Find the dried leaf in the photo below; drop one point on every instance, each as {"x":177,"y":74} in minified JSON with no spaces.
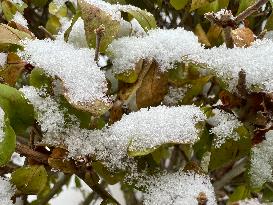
{"x":243,"y":37}
{"x":153,"y":88}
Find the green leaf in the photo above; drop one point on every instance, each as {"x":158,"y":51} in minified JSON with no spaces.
{"x":39,"y":79}
{"x":179,"y":4}
{"x":30,"y":179}
{"x":109,"y":177}
{"x":7,"y":146}
{"x":8,"y":9}
{"x":244,"y":4}
{"x":161,"y":153}
{"x":231,"y":150}
{"x":269,"y":23}
{"x":94,"y":17}
{"x":203,"y":144}
{"x":53,"y":24}
{"x":144,"y":18}
{"x":18,"y":110}
{"x":108,"y":202}
{"x":240,"y":193}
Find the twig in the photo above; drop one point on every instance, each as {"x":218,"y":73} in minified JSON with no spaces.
{"x":234,"y":172}
{"x":48,"y":34}
{"x":27,"y":152}
{"x":227,"y":32}
{"x":56,"y":188}
{"x":250,"y":10}
{"x":241,"y":85}
{"x":84,"y":174}
{"x":99,"y":34}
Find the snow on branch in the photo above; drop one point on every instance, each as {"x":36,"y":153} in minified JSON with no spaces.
{"x":255,"y":60}
{"x":262,"y":161}
{"x":149,"y":128}
{"x":184,"y":188}
{"x":165,"y":46}
{"x":6,"y":191}
{"x":84,"y":82}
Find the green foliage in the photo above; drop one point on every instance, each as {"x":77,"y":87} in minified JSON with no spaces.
{"x":17,"y":109}
{"x":30,"y":179}
{"x":7,"y":146}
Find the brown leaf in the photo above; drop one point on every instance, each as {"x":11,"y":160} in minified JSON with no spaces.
{"x":12,"y":70}
{"x":243,"y":37}
{"x":116,"y":112}
{"x":153,"y":88}
{"x":58,"y":160}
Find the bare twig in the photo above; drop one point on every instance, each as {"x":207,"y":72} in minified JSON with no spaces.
{"x":99,"y":34}
{"x":241,"y":85}
{"x":27,"y":152}
{"x":56,"y":188}
{"x":47,"y":33}
{"x":227,"y":32}
{"x":250,"y":10}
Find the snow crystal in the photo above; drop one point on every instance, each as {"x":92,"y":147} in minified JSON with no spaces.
{"x":255,"y":60}
{"x":82,"y":78}
{"x":3,"y":59}
{"x":151,"y":127}
{"x":165,"y":46}
{"x":262,"y":161}
{"x":49,"y":116}
{"x":224,"y":125}
{"x":180,"y":188}
{"x":2,"y":124}
{"x":250,"y":202}
{"x":20,"y":19}
{"x":6,"y":192}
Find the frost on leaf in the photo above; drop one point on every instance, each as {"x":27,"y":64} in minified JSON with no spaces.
{"x":255,"y":60}
{"x":20,"y":19}
{"x":165,"y":46}
{"x":84,"y":83}
{"x":49,"y":116}
{"x":262,"y":161}
{"x":3,"y":59}
{"x":224,"y":127}
{"x":148,"y":128}
{"x":6,"y":192}
{"x":179,"y":188}
{"x":2,"y":124}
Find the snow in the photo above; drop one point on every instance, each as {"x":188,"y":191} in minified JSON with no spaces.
{"x":20,"y":19}
{"x":2,"y":124}
{"x":253,"y":201}
{"x":255,"y":60}
{"x":77,"y":35}
{"x":6,"y":191}
{"x":84,"y":82}
{"x":262,"y":161}
{"x":224,"y":127}
{"x":151,"y":127}
{"x":179,"y":188}
{"x":3,"y":59}
{"x":49,"y":116}
{"x":165,"y":46}
{"x":20,"y":2}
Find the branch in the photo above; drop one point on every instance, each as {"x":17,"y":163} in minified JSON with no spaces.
{"x":250,"y":10}
{"x":27,"y":152}
{"x":99,"y":34}
{"x":86,"y":176}
{"x":56,"y":188}
{"x":234,"y":172}
{"x":47,"y":33}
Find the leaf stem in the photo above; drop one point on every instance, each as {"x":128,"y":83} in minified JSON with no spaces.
{"x":99,"y":34}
